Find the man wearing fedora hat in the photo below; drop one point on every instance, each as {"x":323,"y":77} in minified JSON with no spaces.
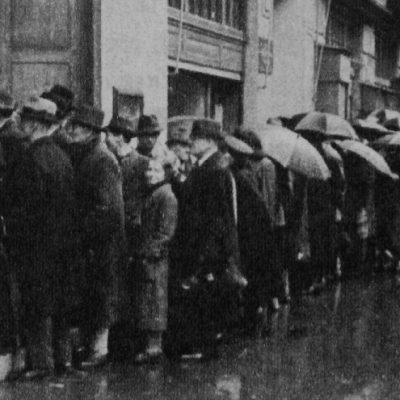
{"x":120,"y":132}
{"x":148,"y":131}
{"x":206,"y":242}
{"x":273,"y":183}
{"x":255,"y":236}
{"x":101,"y":217}
{"x":43,"y":196}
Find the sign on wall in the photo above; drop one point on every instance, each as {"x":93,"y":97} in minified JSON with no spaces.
{"x":265,"y":56}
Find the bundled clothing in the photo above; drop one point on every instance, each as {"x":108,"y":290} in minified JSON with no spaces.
{"x":159,"y":218}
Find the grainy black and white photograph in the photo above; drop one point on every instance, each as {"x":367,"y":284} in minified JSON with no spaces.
{"x":199,"y":199}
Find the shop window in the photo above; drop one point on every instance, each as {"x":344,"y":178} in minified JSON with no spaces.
{"x":386,"y":55}
{"x":225,"y":12}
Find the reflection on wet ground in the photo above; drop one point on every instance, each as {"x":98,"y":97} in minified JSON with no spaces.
{"x":343,"y":344}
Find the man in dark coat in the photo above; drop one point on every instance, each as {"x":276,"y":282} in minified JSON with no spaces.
{"x":206,"y":242}
{"x":44,"y":197}
{"x":120,"y":132}
{"x":11,"y":150}
{"x":254,"y":233}
{"x":324,"y":199}
{"x":101,"y":217}
{"x":272,"y":183}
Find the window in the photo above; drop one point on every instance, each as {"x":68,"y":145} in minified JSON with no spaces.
{"x":225,"y":12}
{"x":386,"y":55}
{"x":339,"y":31}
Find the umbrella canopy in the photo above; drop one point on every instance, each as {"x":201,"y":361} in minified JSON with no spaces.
{"x":370,"y":129}
{"x":293,"y":152}
{"x":326,"y":125}
{"x":331,"y":154}
{"x":392,"y":124}
{"x":369,"y":155}
{"x":392,"y":140}
{"x":382,"y":115}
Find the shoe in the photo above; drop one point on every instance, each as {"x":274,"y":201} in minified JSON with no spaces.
{"x":148,"y":356}
{"x":36,"y":374}
{"x":95,"y":362}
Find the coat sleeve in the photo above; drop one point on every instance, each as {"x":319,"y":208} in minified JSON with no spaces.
{"x":107,"y":215}
{"x":167,"y":215}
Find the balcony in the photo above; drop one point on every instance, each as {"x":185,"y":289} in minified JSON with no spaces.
{"x":211,"y":41}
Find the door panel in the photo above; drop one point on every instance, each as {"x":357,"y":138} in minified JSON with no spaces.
{"x":42,"y":44}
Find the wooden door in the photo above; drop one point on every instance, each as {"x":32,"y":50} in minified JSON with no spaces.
{"x":43,"y":42}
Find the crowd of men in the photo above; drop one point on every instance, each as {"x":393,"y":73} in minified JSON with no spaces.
{"x":184,"y":242}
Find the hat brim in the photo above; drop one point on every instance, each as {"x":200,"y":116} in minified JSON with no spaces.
{"x":95,"y":128}
{"x":120,"y":131}
{"x":259,"y":154}
{"x":40,"y":116}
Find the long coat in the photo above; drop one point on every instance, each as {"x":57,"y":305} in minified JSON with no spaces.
{"x":101,"y":217}
{"x":159,"y":218}
{"x":206,"y":238}
{"x":255,"y":238}
{"x":44,"y":194}
{"x":13,"y":146}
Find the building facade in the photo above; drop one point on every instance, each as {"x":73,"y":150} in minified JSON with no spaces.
{"x":240,"y":62}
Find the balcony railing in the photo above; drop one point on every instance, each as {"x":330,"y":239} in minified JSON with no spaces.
{"x":225,"y":12}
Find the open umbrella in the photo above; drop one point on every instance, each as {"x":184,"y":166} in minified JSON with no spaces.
{"x":393,"y":124}
{"x":369,"y":155}
{"x":293,"y":152}
{"x":326,"y":125}
{"x":382,"y":115}
{"x":392,"y":140}
{"x":369,"y":129}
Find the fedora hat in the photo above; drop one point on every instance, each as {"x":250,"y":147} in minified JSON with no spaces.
{"x":63,"y":97}
{"x":7,"y":104}
{"x":237,"y":146}
{"x":89,"y":117}
{"x":249,"y":137}
{"x":148,"y":126}
{"x":122,"y":126}
{"x":39,"y":109}
{"x":207,"y":129}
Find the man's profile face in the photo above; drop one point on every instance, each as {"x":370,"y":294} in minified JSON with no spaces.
{"x":200,"y":146}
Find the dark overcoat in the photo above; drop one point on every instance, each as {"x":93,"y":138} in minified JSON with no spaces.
{"x":255,"y":238}
{"x":101,"y":218}
{"x":324,"y":198}
{"x":13,"y":146}
{"x":45,"y":203}
{"x":206,"y":238}
{"x":159,"y":218}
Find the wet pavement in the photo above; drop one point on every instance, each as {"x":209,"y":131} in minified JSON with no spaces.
{"x":343,"y":344}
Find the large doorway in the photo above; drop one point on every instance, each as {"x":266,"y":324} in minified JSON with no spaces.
{"x":43,"y":42}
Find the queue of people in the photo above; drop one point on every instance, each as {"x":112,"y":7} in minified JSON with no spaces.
{"x":186,"y":243}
